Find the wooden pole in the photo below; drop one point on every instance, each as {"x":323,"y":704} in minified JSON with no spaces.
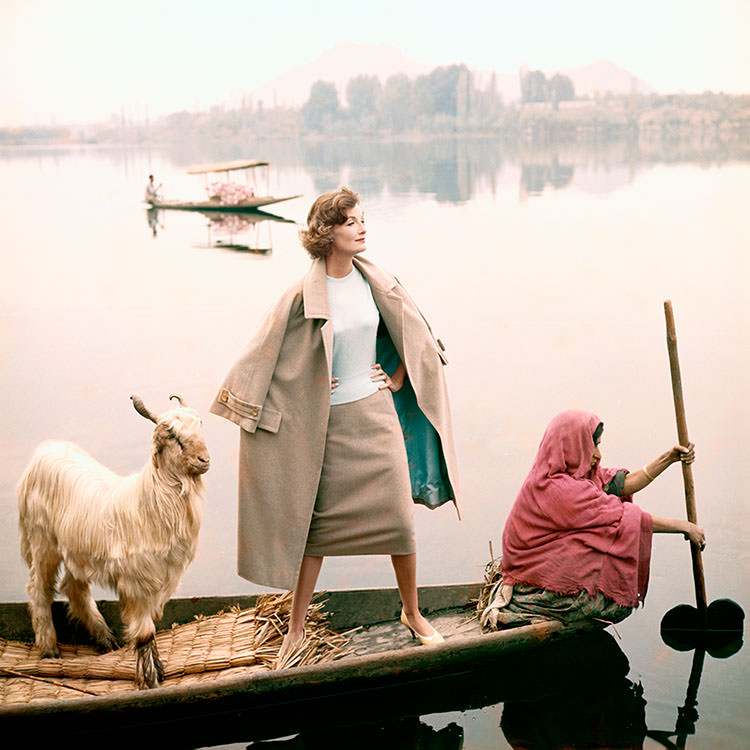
{"x":687,"y":469}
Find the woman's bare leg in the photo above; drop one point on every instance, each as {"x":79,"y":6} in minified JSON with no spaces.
{"x":405,"y":567}
{"x":306,"y":580}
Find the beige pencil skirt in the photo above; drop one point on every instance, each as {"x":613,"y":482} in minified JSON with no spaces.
{"x":364,"y":504}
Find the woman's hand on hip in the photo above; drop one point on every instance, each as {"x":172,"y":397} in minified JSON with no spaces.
{"x":334,"y":384}
{"x":384,"y":380}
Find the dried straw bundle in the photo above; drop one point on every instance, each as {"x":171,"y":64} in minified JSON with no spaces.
{"x":319,"y":645}
{"x":492,"y":574}
{"x":237,"y":642}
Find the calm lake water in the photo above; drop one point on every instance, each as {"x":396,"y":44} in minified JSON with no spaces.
{"x":544,"y":272}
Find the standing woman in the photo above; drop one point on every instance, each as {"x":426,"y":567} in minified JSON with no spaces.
{"x":345,"y":422}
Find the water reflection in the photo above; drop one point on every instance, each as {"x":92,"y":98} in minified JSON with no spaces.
{"x":717,"y":642}
{"x":247,"y":232}
{"x":404,"y":734}
{"x":594,"y":705}
{"x":152,"y":218}
{"x":456,"y":170}
{"x":687,"y":714}
{"x":570,"y":694}
{"x":448,"y":169}
{"x":536,"y":177}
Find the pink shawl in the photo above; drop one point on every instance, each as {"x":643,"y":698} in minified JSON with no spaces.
{"x":564,"y":533}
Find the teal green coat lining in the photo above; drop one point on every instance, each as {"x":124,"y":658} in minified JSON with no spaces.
{"x":430,"y":484}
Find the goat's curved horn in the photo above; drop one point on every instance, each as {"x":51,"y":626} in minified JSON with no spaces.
{"x":174,"y":395}
{"x":140,"y":407}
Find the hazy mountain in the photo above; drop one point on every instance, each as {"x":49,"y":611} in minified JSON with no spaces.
{"x":345,"y":61}
{"x":605,"y":77}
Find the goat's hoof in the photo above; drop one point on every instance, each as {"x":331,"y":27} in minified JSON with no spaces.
{"x":148,"y":667}
{"x":146,"y":682}
{"x":49,"y":652}
{"x":107,"y":644}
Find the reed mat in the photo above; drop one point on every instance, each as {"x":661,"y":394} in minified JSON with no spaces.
{"x":232,"y":643}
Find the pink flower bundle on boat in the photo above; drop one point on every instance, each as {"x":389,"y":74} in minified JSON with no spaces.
{"x":230,"y":193}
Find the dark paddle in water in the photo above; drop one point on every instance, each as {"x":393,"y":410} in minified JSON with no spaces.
{"x":717,"y":627}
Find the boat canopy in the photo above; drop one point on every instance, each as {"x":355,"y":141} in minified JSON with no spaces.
{"x":227,"y":166}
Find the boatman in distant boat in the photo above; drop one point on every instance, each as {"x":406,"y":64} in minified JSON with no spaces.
{"x":152,"y":190}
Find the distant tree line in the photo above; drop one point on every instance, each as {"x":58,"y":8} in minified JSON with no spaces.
{"x":449,"y":99}
{"x":536,"y":87}
{"x":445,"y":99}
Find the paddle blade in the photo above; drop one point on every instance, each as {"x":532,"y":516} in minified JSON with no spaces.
{"x":680,"y":627}
{"x":720,"y":633}
{"x":725,"y":622}
{"x":726,"y":616}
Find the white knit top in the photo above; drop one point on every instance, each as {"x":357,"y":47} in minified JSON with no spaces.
{"x":355,"y":318}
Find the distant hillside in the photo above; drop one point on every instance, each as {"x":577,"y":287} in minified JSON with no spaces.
{"x":605,"y":77}
{"x":345,"y":61}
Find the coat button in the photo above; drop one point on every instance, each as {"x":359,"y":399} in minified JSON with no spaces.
{"x":253,"y":412}
{"x":224,"y":397}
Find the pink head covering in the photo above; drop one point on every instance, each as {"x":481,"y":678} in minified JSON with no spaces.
{"x":565,"y":533}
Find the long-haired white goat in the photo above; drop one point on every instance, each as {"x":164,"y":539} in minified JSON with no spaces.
{"x":134,"y":534}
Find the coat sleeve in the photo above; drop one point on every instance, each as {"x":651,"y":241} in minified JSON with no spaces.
{"x":439,"y":347}
{"x":241,"y":396}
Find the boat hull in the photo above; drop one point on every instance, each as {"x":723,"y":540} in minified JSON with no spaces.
{"x":252,"y":204}
{"x":386,"y":684}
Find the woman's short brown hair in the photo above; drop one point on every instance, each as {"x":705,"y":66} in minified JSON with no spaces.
{"x":327,"y":211}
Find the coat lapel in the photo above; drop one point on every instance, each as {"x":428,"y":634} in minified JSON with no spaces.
{"x":315,"y":301}
{"x":390,"y":304}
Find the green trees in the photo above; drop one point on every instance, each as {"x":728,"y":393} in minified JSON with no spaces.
{"x":362,"y":96}
{"x":536,"y":87}
{"x":437,"y":93}
{"x":443,"y":100}
{"x":561,"y":88}
{"x":322,"y":108}
{"x":395,"y":104}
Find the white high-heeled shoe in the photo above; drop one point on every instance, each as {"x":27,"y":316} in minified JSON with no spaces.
{"x":425,"y":640}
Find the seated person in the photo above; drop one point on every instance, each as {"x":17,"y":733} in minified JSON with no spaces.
{"x":575,"y":546}
{"x":152,"y":189}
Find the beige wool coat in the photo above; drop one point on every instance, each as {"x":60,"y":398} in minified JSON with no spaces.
{"x":278,"y":392}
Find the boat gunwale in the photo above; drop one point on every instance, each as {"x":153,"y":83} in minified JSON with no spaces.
{"x":252,"y":204}
{"x":368,"y":668}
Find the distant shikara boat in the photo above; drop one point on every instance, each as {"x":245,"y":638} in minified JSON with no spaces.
{"x":250,"y":203}
{"x":384,"y":674}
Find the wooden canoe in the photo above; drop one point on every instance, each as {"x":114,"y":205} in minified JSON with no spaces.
{"x":251,"y":204}
{"x":385,"y":676}
{"x":225,"y":167}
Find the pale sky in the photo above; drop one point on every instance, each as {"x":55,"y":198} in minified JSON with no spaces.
{"x":68,"y":61}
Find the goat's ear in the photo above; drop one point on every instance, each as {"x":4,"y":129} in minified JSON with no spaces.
{"x":160,"y":439}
